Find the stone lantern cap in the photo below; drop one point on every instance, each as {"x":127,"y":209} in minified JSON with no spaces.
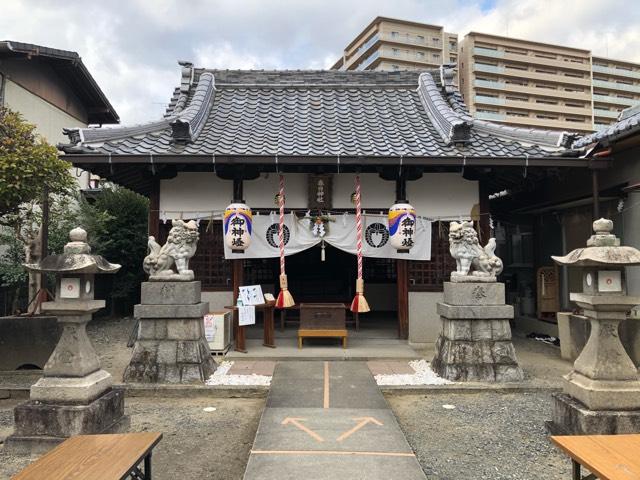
{"x":76,"y":258}
{"x":603,"y":249}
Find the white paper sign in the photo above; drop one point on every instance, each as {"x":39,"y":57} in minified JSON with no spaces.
{"x":246,"y":315}
{"x":209,"y":328}
{"x":609,"y":281}
{"x":251,"y":295}
{"x":69,"y":288}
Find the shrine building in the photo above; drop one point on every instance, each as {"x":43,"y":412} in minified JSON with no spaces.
{"x":228,"y":136}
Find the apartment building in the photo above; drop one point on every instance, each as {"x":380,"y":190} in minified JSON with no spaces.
{"x":525,"y":83}
{"x":391,"y":44}
{"x":507,"y":80}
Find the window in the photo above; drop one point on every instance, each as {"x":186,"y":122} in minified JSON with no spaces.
{"x":452,"y":59}
{"x":420,"y":55}
{"x":486,"y":110}
{"x":545,"y":55}
{"x":512,"y":113}
{"x":516,"y":98}
{"x":542,"y":70}
{"x":574,"y":119}
{"x":395,"y":52}
{"x":435,"y":40}
{"x":420,"y":38}
{"x":515,"y":67}
{"x":574,"y":105}
{"x":436,"y":56}
{"x":548,"y":87}
{"x":573,"y":89}
{"x":511,"y":81}
{"x":574,"y":75}
{"x":625,"y":82}
{"x":626,"y":69}
{"x":395,"y":67}
{"x":547,"y":117}
{"x":515,"y":51}
{"x":395,"y":34}
{"x":546,"y":101}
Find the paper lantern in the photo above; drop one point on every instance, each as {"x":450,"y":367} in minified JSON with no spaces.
{"x":402,"y":226}
{"x":237,"y":227}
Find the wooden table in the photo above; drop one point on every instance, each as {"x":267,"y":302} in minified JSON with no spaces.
{"x":96,"y":457}
{"x":268,"y":338}
{"x":354,"y":315}
{"x":608,"y":457}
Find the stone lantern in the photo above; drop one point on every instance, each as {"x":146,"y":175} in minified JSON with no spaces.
{"x":602,"y":392}
{"x":74,"y":395}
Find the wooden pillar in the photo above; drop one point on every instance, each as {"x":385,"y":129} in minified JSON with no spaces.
{"x":154,"y":208}
{"x":237,"y":274}
{"x":596,"y":194}
{"x":483,"y":202}
{"x":44,"y":235}
{"x":402,"y":273}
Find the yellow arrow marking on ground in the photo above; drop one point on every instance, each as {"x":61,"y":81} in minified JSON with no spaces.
{"x":296,"y":422}
{"x":362,"y":421}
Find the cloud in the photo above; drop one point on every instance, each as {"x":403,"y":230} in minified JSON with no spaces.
{"x":132,"y":46}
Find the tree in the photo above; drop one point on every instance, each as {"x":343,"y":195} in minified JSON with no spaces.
{"x":28,"y":165}
{"x":116,"y":224}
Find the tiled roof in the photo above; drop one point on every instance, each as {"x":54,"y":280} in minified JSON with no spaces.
{"x":317,"y":113}
{"x":628,"y":124}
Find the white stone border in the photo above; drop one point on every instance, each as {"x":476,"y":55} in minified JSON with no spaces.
{"x":423,"y":376}
{"x":221,"y":377}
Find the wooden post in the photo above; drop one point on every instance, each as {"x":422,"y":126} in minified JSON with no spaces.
{"x":154,"y":209}
{"x":483,"y":202}
{"x":237,"y":270}
{"x":596,"y":194}
{"x":402,"y":273}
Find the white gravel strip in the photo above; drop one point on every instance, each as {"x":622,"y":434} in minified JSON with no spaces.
{"x":221,"y":377}
{"x":423,"y":376}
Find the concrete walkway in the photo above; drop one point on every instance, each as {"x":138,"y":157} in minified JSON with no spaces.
{"x":328,"y":420}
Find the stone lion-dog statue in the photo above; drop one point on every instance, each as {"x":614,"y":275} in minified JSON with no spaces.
{"x":170,"y":262}
{"x":471,"y":259}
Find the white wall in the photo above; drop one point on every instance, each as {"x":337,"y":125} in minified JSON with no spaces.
{"x":435,"y":194}
{"x":49,"y":119}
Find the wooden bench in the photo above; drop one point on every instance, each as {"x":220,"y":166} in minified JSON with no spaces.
{"x":322,"y":320}
{"x":608,"y":457}
{"x":96,"y":457}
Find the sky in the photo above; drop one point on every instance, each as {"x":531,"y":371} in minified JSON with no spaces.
{"x":131,"y":47}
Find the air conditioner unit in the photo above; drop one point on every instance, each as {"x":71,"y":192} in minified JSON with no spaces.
{"x":217,"y":330}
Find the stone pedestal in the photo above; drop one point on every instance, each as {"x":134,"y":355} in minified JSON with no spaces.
{"x":74,"y":396}
{"x":475,"y":341}
{"x":171,"y":346}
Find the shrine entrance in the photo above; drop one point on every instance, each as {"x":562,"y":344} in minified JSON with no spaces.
{"x":332,"y":280}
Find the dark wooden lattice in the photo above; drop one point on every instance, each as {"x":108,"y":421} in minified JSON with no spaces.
{"x":208,"y":264}
{"x":427,"y":276}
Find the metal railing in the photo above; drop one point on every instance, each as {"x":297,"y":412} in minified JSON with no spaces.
{"x":616,"y":71}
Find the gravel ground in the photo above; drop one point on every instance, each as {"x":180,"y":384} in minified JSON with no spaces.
{"x":486,"y":436}
{"x":196,"y":444}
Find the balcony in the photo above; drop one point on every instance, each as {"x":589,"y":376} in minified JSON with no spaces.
{"x":616,"y":86}
{"x":616,"y":71}
{"x":627,"y":102}
{"x":487,"y":68}
{"x":605,"y":113}
{"x":487,"y":52}
{"x":490,"y":116}
{"x":410,"y":40}
{"x":489,"y":100}
{"x":489,"y":84}
{"x":368,"y":61}
{"x":530,"y":75}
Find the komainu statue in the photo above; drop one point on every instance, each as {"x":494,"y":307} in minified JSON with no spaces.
{"x":472,"y":261}
{"x":170,"y":262}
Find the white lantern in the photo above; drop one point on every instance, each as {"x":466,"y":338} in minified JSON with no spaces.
{"x":402,"y":227}
{"x":237,"y":226}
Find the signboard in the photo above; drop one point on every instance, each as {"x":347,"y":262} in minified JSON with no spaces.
{"x":251,"y":295}
{"x":70,"y":288}
{"x":609,"y":281}
{"x":210,"y":327}
{"x":246,"y":315}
